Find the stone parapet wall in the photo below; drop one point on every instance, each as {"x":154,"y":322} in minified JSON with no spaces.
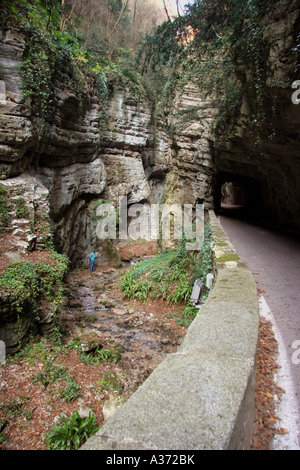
{"x":202,"y":396}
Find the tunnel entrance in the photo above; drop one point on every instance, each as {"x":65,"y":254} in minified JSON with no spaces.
{"x":233,"y":195}
{"x":238,"y":196}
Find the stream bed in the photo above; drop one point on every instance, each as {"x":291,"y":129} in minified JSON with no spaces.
{"x":141,"y":333}
{"x":110,"y":347}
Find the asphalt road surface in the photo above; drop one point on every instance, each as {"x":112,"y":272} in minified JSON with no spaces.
{"x":274,"y":260}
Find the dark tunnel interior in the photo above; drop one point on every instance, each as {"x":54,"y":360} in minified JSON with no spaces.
{"x":239,"y":196}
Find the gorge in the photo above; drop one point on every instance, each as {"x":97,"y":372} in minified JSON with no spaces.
{"x":73,"y":136}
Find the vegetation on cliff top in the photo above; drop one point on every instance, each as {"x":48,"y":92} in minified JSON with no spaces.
{"x":222,"y":46}
{"x":105,"y":43}
{"x":92,"y":41}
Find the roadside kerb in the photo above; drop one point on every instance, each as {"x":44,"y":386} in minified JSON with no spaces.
{"x":202,"y":396}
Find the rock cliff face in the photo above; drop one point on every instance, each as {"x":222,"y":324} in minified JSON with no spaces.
{"x":144,"y":160}
{"x":267,"y":162}
{"x":77,"y":170}
{"x":60,"y":169}
{"x":190,"y":122}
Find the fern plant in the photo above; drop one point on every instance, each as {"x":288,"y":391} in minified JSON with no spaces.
{"x":71,"y":392}
{"x":182,"y":294}
{"x":107,"y":355}
{"x":71,"y":435}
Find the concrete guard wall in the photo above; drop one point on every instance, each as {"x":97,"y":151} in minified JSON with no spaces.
{"x":202,"y":396}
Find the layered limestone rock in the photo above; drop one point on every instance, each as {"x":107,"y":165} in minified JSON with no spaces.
{"x":137,"y":158}
{"x":127,"y":136}
{"x":61,"y":152}
{"x":190,"y":179}
{"x":27,"y":230}
{"x":29,"y":225}
{"x":267,"y":160}
{"x":16,"y":131}
{"x":190,"y":123}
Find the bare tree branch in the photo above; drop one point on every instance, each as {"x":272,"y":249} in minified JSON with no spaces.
{"x":134,"y":11}
{"x":64,"y":19}
{"x":49,"y":17}
{"x":124,"y":6}
{"x":216,"y":32}
{"x":166,"y":10}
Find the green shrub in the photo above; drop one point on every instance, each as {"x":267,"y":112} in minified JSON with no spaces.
{"x":186,"y":315}
{"x":170,"y":275}
{"x":21,"y":209}
{"x":25,"y":283}
{"x":20,"y":283}
{"x":4,"y":206}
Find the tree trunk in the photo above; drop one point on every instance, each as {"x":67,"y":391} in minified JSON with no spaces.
{"x":65,"y":18}
{"x":120,"y":16}
{"x":166,"y":10}
{"x":134,"y":11}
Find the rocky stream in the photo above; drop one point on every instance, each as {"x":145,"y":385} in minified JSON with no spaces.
{"x":143,"y":333}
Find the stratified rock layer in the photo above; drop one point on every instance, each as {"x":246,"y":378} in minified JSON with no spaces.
{"x":79,"y":170}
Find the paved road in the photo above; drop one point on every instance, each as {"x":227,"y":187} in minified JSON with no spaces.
{"x":274,"y":260}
